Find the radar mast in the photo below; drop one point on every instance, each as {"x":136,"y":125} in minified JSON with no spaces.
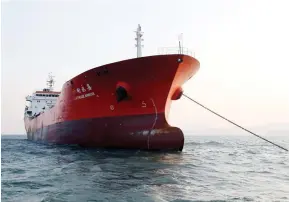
{"x":138,"y":39}
{"x":50,"y":81}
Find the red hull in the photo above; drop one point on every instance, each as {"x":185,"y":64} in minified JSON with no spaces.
{"x":96,"y":118}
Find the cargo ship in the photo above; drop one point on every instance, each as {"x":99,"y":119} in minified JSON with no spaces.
{"x":121,"y":105}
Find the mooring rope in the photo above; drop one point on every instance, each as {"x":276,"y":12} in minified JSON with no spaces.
{"x":234,"y":123}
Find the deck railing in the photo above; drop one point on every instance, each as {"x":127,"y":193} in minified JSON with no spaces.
{"x":175,"y":50}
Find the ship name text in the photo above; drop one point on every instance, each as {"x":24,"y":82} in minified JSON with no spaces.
{"x":84,"y":96}
{"x":84,"y":89}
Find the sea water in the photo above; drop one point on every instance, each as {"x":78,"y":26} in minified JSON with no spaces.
{"x":210,"y":168}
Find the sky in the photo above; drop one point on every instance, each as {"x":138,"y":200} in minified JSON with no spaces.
{"x":242,"y":47}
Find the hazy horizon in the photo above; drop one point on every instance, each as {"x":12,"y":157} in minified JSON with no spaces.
{"x":241,"y":45}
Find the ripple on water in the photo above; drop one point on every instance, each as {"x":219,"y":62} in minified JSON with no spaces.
{"x":209,"y":169}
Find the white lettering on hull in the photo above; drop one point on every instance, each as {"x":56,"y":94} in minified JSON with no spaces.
{"x":84,"y":96}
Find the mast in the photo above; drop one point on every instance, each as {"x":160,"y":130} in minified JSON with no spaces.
{"x":181,"y":43}
{"x":138,"y":39}
{"x":50,"y":82}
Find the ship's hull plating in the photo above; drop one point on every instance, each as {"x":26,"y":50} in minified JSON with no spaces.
{"x":89,"y":112}
{"x":113,"y":132}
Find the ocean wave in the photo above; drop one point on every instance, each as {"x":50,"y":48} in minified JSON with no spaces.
{"x":209,"y":143}
{"x":207,"y":170}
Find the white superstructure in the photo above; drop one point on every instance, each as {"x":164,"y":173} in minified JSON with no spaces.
{"x":40,"y":101}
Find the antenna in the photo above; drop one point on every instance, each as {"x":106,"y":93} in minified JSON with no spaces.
{"x":181,"y":43}
{"x":50,"y":81}
{"x":138,"y":39}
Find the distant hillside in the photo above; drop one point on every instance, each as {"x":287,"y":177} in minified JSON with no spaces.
{"x":273,"y":129}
